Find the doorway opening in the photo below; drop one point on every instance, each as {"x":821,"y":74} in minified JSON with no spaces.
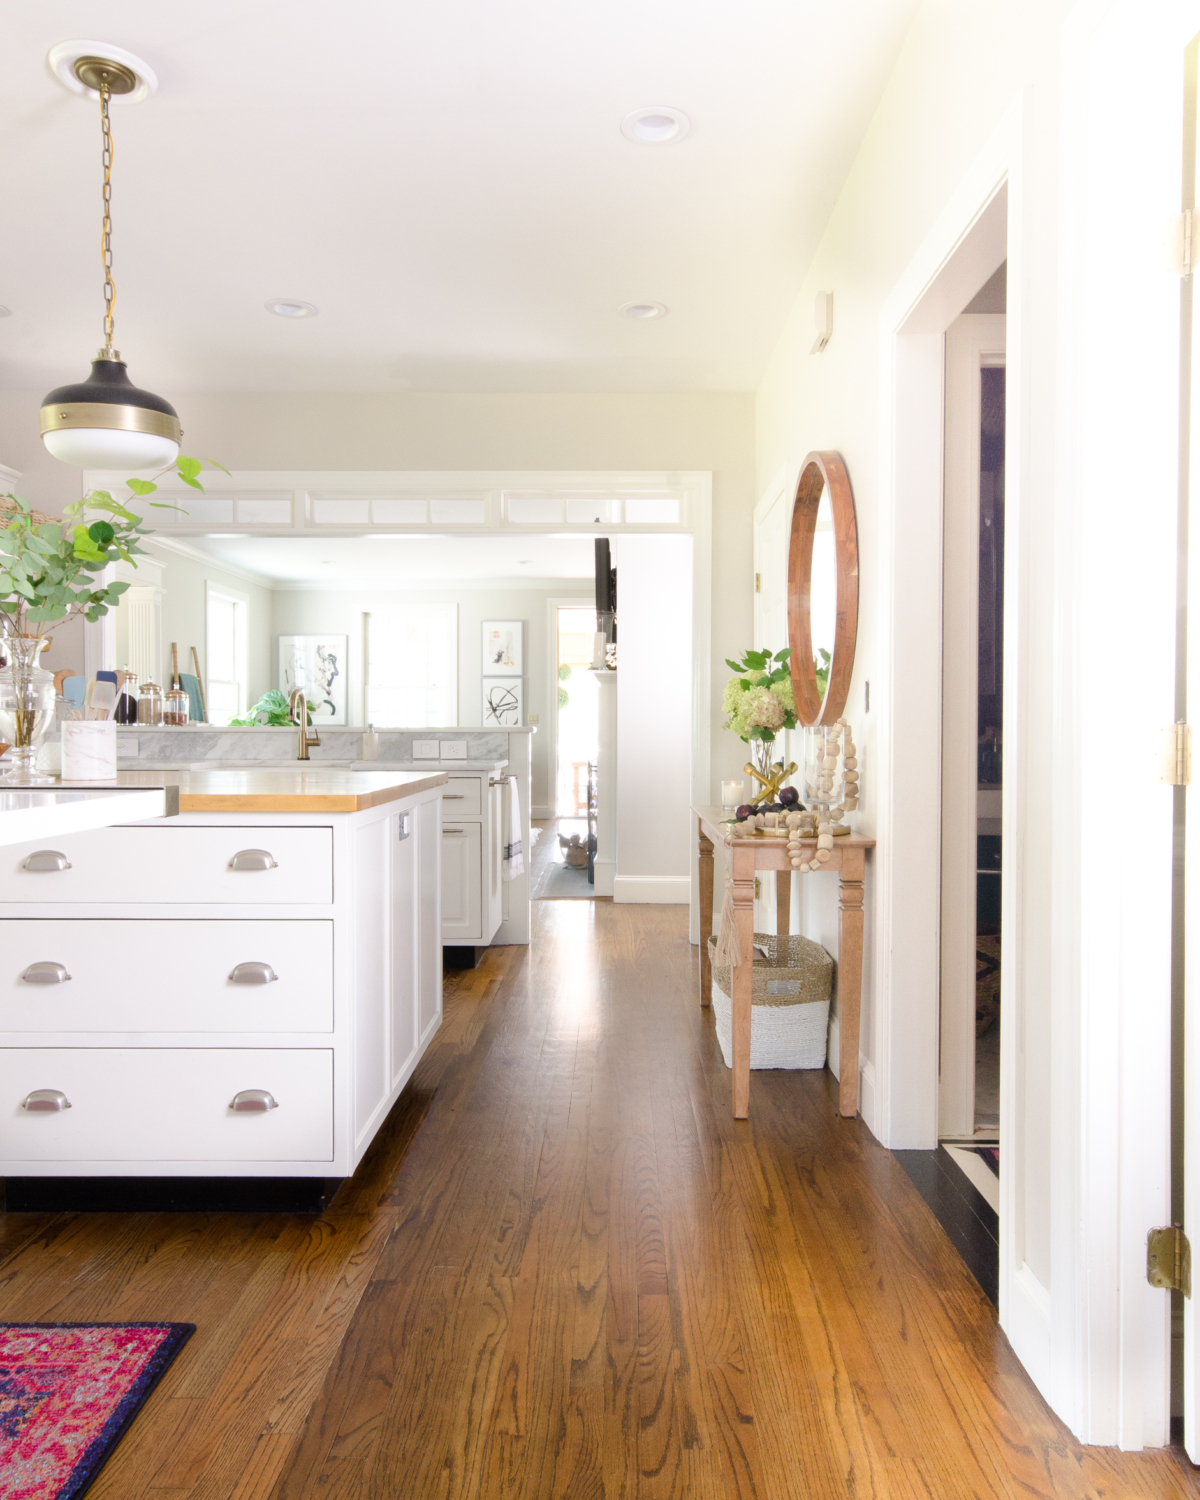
{"x":566,"y":849}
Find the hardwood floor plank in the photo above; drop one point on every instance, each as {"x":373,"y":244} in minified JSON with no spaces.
{"x":564,"y":1270}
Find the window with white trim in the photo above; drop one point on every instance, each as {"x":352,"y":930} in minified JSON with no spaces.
{"x":226,"y":631}
{"x":412,"y":667}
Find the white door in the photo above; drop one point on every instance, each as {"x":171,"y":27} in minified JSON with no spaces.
{"x":973,"y":341}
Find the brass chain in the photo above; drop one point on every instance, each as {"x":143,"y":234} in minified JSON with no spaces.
{"x":110,"y":290}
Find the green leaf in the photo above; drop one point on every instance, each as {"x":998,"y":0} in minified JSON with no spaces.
{"x":213,"y":464}
{"x":101,"y":533}
{"x":141,"y":486}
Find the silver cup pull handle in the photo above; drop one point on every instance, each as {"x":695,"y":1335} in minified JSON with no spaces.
{"x":253,"y":1102}
{"x":45,"y":1101}
{"x":46,"y":859}
{"x":253,"y":973}
{"x":253,"y":859}
{"x":45,"y":973}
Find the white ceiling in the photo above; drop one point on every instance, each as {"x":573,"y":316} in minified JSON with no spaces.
{"x":402,"y":561}
{"x":447,"y":182}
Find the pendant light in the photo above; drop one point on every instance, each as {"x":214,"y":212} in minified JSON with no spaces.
{"x":105,"y":421}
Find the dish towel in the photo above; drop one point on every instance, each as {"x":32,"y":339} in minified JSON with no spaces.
{"x":514,"y":858}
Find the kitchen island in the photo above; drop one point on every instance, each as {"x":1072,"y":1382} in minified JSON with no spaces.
{"x":218,"y":1009}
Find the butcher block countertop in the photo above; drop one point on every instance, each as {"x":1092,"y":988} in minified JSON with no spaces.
{"x":306,"y":789}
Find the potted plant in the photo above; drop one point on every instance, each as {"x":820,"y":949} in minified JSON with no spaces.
{"x":50,"y":572}
{"x":758,"y":703}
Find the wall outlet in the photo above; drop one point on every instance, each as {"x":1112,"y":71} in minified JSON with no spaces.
{"x":532,"y":719}
{"x":454,"y":749}
{"x":127,"y":749}
{"x":425,"y":750}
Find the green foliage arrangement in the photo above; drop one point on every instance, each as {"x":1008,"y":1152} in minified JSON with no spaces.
{"x":50,"y":570}
{"x":758,"y":702}
{"x":271,"y":709}
{"x":821,"y":668}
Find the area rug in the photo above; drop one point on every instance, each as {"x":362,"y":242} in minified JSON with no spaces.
{"x":67,"y":1393}
{"x":989,"y":1155}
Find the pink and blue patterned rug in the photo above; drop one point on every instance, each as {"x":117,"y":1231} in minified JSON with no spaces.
{"x":67,"y":1393}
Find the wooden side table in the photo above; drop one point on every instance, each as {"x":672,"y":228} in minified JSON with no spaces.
{"x":746,"y":856}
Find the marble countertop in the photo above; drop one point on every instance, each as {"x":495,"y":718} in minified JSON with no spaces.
{"x":48,"y":811}
{"x":306,"y":788}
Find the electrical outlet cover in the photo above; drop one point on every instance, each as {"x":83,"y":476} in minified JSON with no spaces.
{"x":454,"y":749}
{"x":425,"y":750}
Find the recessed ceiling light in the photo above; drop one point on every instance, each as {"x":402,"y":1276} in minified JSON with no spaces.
{"x":656,"y":125}
{"x":524,"y":562}
{"x":642,"y":311}
{"x":289,"y":307}
{"x":5,"y":312}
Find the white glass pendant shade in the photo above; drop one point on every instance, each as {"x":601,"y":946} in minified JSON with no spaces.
{"x":104,"y":448}
{"x":106,"y":422}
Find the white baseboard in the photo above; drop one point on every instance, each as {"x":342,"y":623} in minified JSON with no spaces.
{"x":540,"y":814}
{"x":655,"y":890}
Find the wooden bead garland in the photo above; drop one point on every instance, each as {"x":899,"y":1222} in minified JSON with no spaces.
{"x":824,"y":822}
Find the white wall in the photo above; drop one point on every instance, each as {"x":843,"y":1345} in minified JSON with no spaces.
{"x":300,"y":611}
{"x":654,"y":653}
{"x":426,"y":430}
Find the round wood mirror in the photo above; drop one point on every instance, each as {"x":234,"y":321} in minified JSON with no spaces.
{"x":822,"y":589}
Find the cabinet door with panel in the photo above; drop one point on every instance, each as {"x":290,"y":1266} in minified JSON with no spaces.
{"x":462,"y":882}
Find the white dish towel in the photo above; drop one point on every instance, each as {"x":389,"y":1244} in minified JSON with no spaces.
{"x":514,"y":857}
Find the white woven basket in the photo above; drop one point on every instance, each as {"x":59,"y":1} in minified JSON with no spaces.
{"x":792,"y":1031}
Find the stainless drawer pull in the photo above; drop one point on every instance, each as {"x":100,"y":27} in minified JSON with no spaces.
{"x":454,"y":796}
{"x":459,"y":831}
{"x":253,"y":859}
{"x":253,"y":1102}
{"x":253,"y":973}
{"x":45,"y":1101}
{"x":45,"y":973}
{"x":46,"y":859}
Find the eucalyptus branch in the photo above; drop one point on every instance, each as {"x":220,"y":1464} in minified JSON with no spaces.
{"x":51,"y":572}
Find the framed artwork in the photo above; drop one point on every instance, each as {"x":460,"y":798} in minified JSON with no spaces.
{"x":503,"y":702}
{"x":317,"y":663}
{"x":503,"y":648}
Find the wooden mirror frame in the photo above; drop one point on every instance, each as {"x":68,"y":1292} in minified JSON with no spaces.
{"x":821,"y":469}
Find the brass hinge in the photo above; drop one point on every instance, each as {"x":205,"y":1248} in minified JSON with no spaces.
{"x":758,"y":583}
{"x":1183,"y":242}
{"x":1169,"y":1259}
{"x":1177,"y":760}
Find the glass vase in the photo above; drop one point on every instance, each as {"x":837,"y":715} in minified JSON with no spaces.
{"x":824,"y":771}
{"x":26,"y":707}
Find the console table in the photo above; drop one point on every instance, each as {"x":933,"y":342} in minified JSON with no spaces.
{"x":746,"y":857}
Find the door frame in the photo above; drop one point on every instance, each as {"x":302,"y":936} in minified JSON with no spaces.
{"x":973,"y":343}
{"x":552,"y":607}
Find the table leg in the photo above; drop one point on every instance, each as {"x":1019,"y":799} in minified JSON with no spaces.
{"x":742,"y":859}
{"x":849,"y":977}
{"x":783,"y":902}
{"x":706,"y":914}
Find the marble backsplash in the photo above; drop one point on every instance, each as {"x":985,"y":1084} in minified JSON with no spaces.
{"x":207,"y":742}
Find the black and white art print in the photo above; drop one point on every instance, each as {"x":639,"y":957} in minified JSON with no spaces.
{"x":317,"y":663}
{"x":503,"y":702}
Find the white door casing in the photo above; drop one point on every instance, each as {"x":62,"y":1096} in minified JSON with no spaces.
{"x":972,"y":341}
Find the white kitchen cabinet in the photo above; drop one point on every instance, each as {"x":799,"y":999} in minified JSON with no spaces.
{"x":462,"y":882}
{"x":472,"y":858}
{"x":157,"y":1029}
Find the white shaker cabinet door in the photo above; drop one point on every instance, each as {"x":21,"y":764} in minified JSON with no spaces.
{"x":462,"y":882}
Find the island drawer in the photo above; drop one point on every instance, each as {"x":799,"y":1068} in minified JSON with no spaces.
{"x":166,"y":1105}
{"x":462,"y":797}
{"x":85,"y":974}
{"x":236,"y":866}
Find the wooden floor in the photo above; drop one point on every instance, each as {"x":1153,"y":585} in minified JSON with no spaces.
{"x":566,"y":1271}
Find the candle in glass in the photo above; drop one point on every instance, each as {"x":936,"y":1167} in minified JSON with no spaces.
{"x":733,"y":793}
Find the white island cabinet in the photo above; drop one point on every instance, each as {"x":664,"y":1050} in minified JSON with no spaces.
{"x":239,"y":991}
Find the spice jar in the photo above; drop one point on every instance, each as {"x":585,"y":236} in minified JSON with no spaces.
{"x":175,"y":706}
{"x":150,"y":704}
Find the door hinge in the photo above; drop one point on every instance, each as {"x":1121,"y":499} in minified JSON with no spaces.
{"x":1183,"y":242}
{"x":1177,"y":761}
{"x":1169,"y":1259}
{"x":758,"y":583}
